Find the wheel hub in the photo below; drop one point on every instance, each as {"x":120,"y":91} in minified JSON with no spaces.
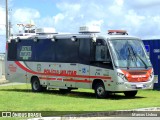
{"x":35,"y":85}
{"x":100,"y":90}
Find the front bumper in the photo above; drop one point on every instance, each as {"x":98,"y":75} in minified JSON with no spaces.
{"x":131,"y":86}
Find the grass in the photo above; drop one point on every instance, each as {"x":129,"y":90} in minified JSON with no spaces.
{"x":20,"y":98}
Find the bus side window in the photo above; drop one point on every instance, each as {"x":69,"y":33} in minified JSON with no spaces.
{"x":45,"y":50}
{"x":12,"y":50}
{"x":85,"y":50}
{"x":67,"y":50}
{"x":102,"y":52}
{"x":100,"y":42}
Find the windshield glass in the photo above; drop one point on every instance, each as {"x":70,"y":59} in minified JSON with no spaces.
{"x":129,"y":53}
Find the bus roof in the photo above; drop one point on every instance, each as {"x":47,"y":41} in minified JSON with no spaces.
{"x":80,"y":35}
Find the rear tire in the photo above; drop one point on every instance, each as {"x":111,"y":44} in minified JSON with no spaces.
{"x":130,"y":93}
{"x":100,"y":90}
{"x":36,"y":86}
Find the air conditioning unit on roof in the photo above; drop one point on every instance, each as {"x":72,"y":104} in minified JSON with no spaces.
{"x":89,"y":29}
{"x":45,"y":30}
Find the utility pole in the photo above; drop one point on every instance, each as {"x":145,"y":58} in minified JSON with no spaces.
{"x":6,"y":20}
{"x":9,"y":22}
{"x":9,"y":31}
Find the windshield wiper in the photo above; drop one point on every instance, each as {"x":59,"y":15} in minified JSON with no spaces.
{"x":136,"y":55}
{"x":142,"y":60}
{"x":131,"y":55}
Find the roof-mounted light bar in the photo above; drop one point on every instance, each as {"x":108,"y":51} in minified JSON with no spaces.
{"x":89,"y":29}
{"x":117,"y":32}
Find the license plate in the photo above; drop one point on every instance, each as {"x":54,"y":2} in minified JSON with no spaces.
{"x":139,"y":85}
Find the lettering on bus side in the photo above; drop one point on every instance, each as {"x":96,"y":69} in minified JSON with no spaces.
{"x":12,"y":68}
{"x":156,"y":50}
{"x":119,"y":83}
{"x":60,"y":72}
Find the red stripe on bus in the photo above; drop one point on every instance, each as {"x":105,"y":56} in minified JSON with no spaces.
{"x":102,"y":77}
{"x":79,"y":76}
{"x":24,"y":68}
{"x":50,"y":74}
{"x":66,"y":80}
{"x":44,"y":78}
{"x":74,"y":80}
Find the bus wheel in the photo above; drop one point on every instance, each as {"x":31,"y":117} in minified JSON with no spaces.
{"x":130,"y":93}
{"x":100,"y":91}
{"x":35,"y":84}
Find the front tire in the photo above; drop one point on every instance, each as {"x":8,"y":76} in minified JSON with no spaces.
{"x":100,"y":91}
{"x":130,"y":93}
{"x":36,"y":86}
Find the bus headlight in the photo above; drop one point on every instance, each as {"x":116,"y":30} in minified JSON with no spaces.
{"x":122,"y":76}
{"x":151,"y":76}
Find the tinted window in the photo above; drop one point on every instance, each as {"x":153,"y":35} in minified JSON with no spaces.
{"x":85,"y":50}
{"x":67,"y":50}
{"x":45,"y":50}
{"x":12,"y":50}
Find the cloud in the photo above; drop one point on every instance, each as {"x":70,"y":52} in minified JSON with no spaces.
{"x":96,"y":23}
{"x":69,"y":7}
{"x":117,"y":7}
{"x":132,"y":19}
{"x":144,"y":3}
{"x":59,"y":17}
{"x":138,"y":17}
{"x":74,"y":15}
{"x":2,"y":21}
{"x":24,"y":15}
{"x":2,"y":28}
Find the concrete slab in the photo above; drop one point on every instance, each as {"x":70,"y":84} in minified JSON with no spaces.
{"x":3,"y":80}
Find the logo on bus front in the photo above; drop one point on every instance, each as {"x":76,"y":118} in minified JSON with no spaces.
{"x":26,"y":52}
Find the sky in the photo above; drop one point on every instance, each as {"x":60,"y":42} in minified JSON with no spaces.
{"x":140,"y":18}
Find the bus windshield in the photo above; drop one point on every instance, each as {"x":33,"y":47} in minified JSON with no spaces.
{"x":129,"y":53}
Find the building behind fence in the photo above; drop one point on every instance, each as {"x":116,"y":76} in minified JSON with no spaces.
{"x":2,"y":64}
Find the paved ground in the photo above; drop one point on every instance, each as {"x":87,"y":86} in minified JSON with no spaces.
{"x":3,"y":80}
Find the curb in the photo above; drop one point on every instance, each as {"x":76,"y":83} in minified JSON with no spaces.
{"x":3,"y":82}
